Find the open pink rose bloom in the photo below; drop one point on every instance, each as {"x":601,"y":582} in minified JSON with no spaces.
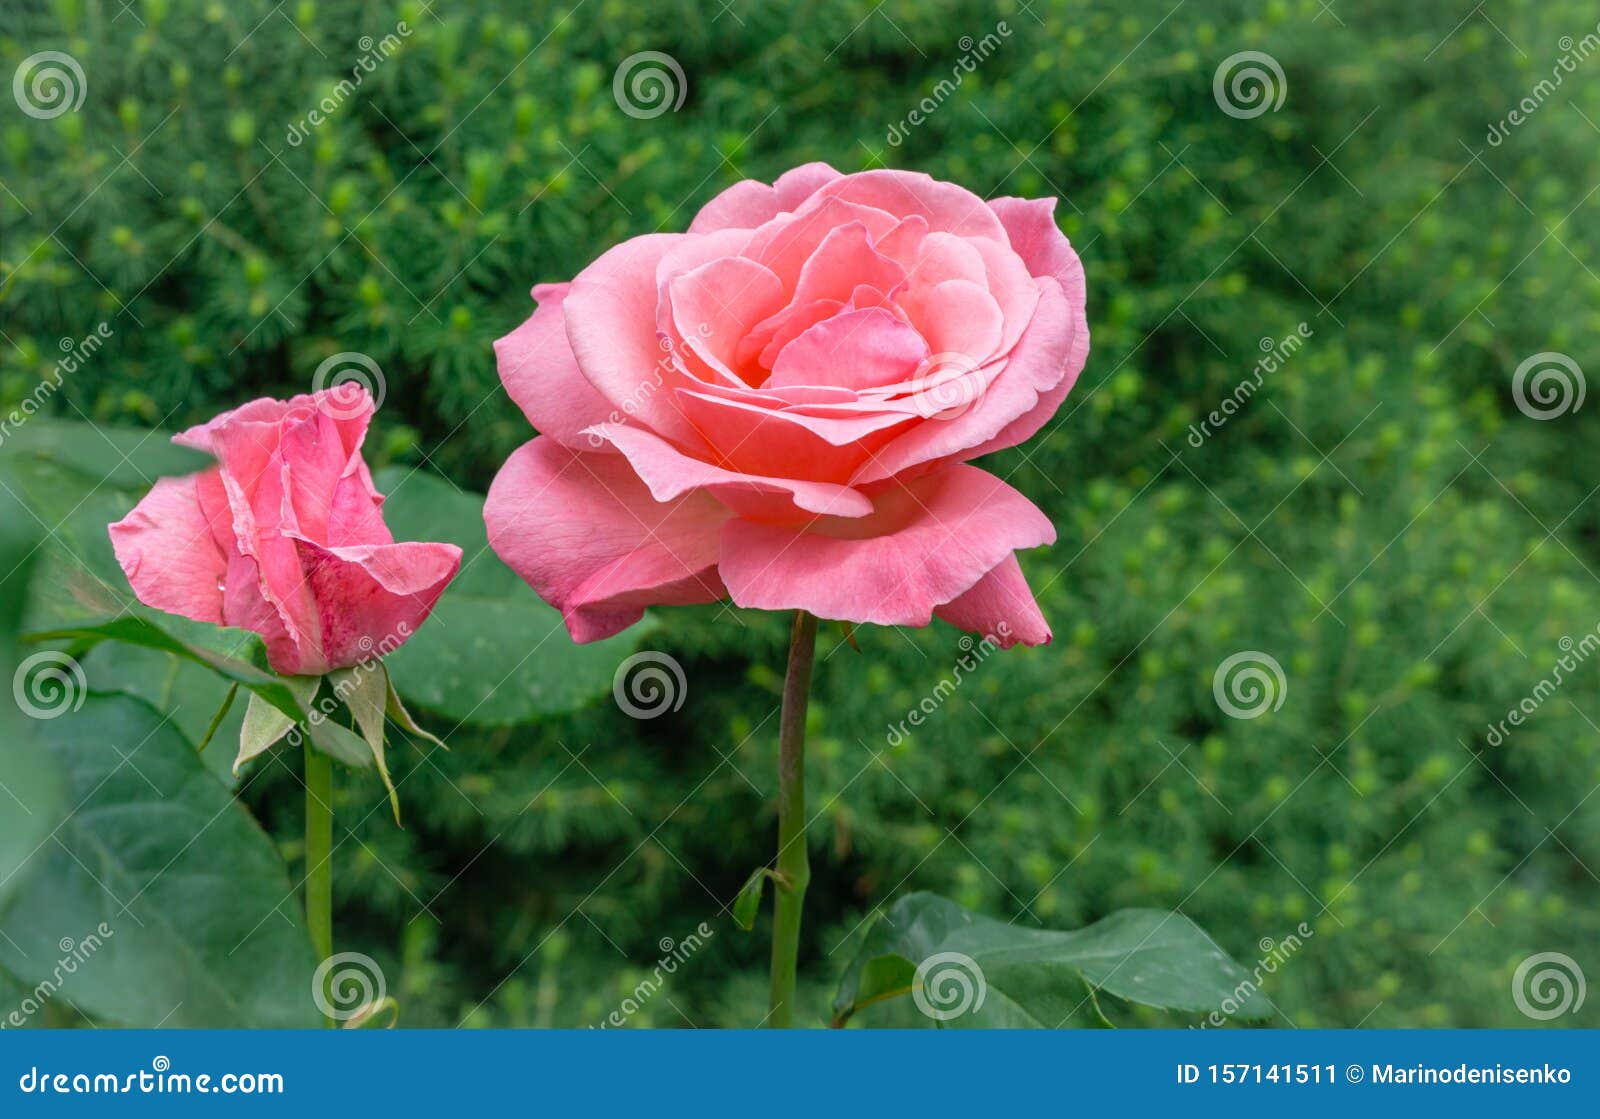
{"x":285,"y":537}
{"x":778,"y":407}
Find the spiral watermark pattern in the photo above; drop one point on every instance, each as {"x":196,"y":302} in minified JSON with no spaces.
{"x":346,"y":985}
{"x":49,"y":684}
{"x":48,"y":84}
{"x":1548,"y":985}
{"x":353,"y":377}
{"x":1548,"y":385}
{"x":1249,"y":684}
{"x":947,"y":985}
{"x":1248,"y":84}
{"x":649,"y":684}
{"x":648,"y":84}
{"x":946,"y":387}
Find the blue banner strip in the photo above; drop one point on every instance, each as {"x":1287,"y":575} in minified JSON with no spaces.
{"x":854,"y":1072}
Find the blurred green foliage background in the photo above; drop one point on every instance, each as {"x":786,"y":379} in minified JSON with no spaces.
{"x":1379,"y":517}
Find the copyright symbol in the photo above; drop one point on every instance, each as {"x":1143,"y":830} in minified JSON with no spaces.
{"x":1353,"y":1074}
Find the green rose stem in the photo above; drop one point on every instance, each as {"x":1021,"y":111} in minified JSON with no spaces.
{"x":793,"y":868}
{"x":319,"y":852}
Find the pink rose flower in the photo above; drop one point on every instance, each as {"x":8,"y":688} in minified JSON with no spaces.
{"x":778,"y":406}
{"x":285,"y":537}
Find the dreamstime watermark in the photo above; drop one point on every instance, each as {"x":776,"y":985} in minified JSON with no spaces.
{"x":1249,"y":684}
{"x":649,"y":684}
{"x":674,"y":954}
{"x":344,"y":373}
{"x":348,"y":985}
{"x":158,"y":1079}
{"x":48,"y":685}
{"x":74,"y":353}
{"x":947,"y":985}
{"x":1274,"y":954}
{"x":74,"y":954}
{"x":48,"y":84}
{"x":946,"y":386}
{"x":648,"y":84}
{"x":373,"y":52}
{"x":973,"y":654}
{"x":1573,"y":654}
{"x":972,"y":53}
{"x":1248,"y":84}
{"x":1548,"y":985}
{"x":1273,"y":356}
{"x":1572,"y":53}
{"x":1548,"y":385}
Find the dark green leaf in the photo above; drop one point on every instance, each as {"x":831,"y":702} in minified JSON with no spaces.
{"x":492,"y":653}
{"x":136,"y":629}
{"x":968,"y":970}
{"x":191,"y":692}
{"x":175,"y":902}
{"x":124,"y":458}
{"x":30,"y":794}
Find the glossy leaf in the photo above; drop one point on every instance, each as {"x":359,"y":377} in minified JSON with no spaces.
{"x":191,"y":692}
{"x":974,"y":971}
{"x":30,"y":795}
{"x":134,"y":629}
{"x":491,"y":653}
{"x":125,"y":458}
{"x":189,"y":909}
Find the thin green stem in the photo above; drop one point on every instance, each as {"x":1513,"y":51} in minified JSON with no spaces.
{"x":793,"y":867}
{"x":319,"y":852}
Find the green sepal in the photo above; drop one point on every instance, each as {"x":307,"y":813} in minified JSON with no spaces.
{"x":402,"y":718}
{"x":365,"y":690}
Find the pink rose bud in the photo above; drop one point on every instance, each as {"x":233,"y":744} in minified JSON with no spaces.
{"x":778,"y":406}
{"x":285,"y":537}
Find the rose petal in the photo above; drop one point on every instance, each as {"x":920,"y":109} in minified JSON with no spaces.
{"x":957,"y":317}
{"x":669,"y":474}
{"x":1037,"y":365}
{"x":321,"y":472}
{"x":843,"y":261}
{"x":945,"y":206}
{"x":1025,"y":426}
{"x":584,"y":533}
{"x":1030,"y":226}
{"x":786,"y":243}
{"x":371,"y":597}
{"x":349,"y":404}
{"x":1009,"y":283}
{"x":757,"y":439}
{"x":748,"y":203}
{"x":166,"y":547}
{"x":999,"y":607}
{"x":769,"y":338}
{"x":356,"y":513}
{"x":926,"y":545}
{"x":611,"y":316}
{"x":715,"y":306}
{"x":541,"y":374}
{"x":857,"y":349}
